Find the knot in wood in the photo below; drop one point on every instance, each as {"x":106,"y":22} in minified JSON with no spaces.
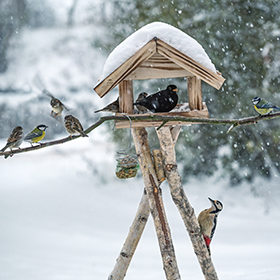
{"x":123,"y":254}
{"x":170,"y":167}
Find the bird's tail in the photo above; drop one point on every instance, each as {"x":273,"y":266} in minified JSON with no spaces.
{"x":83,"y":134}
{"x":99,"y":110}
{"x":3,"y":150}
{"x":276,"y":108}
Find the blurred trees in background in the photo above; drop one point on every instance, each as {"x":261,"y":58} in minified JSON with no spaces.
{"x":241,"y":37}
{"x":242,"y":40}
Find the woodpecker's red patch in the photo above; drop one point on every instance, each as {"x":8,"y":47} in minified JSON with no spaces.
{"x":207,"y":240}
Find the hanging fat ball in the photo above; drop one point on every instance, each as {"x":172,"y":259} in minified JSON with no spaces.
{"x":15,"y":139}
{"x":262,"y":106}
{"x":112,"y":107}
{"x":127,"y":167}
{"x":36,"y":135}
{"x":162,"y":101}
{"x":57,"y":105}
{"x":141,"y":109}
{"x":207,"y":220}
{"x":73,"y":126}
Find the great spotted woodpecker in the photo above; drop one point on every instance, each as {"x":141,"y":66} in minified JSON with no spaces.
{"x":207,"y":220}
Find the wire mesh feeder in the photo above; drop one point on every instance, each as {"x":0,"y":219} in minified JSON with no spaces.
{"x":127,"y":167}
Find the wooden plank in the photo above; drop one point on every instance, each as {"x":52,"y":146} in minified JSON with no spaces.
{"x":194,"y":93}
{"x":208,"y":76}
{"x":126,"y":97}
{"x":189,"y":114}
{"x":126,"y":68}
{"x":158,"y":67}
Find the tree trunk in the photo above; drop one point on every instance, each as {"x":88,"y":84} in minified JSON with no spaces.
{"x":180,"y":199}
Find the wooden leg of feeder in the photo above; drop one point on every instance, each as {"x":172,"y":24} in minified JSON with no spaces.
{"x":180,"y":199}
{"x":175,"y":131}
{"x":131,"y":242}
{"x":156,"y":204}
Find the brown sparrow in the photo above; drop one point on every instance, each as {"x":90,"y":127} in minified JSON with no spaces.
{"x":73,"y":126}
{"x":15,"y":139}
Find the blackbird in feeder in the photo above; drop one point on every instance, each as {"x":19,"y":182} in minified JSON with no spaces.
{"x":112,"y":107}
{"x":162,"y":101}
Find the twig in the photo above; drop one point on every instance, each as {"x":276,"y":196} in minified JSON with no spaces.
{"x":233,"y":122}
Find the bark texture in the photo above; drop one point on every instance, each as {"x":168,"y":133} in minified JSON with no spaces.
{"x":180,"y":199}
{"x":156,"y":204}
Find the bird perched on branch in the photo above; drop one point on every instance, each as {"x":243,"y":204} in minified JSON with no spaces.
{"x":141,"y":109}
{"x":162,"y":101}
{"x":207,"y":220}
{"x":262,"y":106}
{"x":73,"y":126}
{"x":15,"y":139}
{"x":112,"y":107}
{"x":36,"y":135}
{"x":57,"y":105}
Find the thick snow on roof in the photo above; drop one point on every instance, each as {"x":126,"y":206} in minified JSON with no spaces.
{"x":167,"y":33}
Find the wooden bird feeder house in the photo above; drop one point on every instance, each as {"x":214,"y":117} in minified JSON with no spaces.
{"x":157,"y":51}
{"x":158,"y":59}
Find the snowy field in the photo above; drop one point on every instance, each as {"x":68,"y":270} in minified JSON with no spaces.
{"x":65,"y":215}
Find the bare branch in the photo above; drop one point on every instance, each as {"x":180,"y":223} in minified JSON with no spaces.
{"x":165,"y":119}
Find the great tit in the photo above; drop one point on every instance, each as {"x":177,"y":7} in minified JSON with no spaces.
{"x":36,"y":135}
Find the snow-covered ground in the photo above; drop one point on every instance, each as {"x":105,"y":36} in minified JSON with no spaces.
{"x":65,"y":215}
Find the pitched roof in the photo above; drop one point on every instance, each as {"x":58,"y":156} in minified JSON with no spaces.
{"x":182,"y":56}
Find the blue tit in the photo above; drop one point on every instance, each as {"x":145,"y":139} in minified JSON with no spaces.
{"x":262,"y":106}
{"x":36,"y":135}
{"x":73,"y":126}
{"x":15,"y":139}
{"x":57,"y":105}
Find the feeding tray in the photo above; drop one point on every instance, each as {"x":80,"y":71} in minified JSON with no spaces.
{"x":181,"y":110}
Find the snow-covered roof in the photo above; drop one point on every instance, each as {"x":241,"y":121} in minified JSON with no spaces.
{"x":167,"y":33}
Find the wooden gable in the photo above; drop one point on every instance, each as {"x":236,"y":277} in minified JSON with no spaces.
{"x":156,"y":60}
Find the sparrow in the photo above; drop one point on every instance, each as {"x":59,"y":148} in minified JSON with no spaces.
{"x":112,"y":107}
{"x":141,"y":109}
{"x":73,"y":126}
{"x":262,"y":106}
{"x":15,"y":139}
{"x":57,"y":105}
{"x":162,"y":101}
{"x":36,"y":135}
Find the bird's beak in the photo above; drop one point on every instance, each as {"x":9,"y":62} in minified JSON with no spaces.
{"x":175,"y":89}
{"x":212,"y":201}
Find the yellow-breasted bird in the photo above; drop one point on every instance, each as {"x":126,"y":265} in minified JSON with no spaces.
{"x":162,"y":101}
{"x":15,"y":139}
{"x":36,"y":135}
{"x":57,"y":105}
{"x":112,"y":107}
{"x":262,"y":106}
{"x":73,"y":126}
{"x":207,"y":220}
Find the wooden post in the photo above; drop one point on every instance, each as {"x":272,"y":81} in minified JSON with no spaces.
{"x":158,"y":165}
{"x":194,"y":93}
{"x":180,"y":199}
{"x":131,"y":242}
{"x":126,"y":97}
{"x":156,"y":204}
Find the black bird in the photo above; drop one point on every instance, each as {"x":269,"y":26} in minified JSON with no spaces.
{"x":162,"y":101}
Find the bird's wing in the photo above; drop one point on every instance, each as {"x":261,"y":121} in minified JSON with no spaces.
{"x":33,"y":134}
{"x":47,"y":93}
